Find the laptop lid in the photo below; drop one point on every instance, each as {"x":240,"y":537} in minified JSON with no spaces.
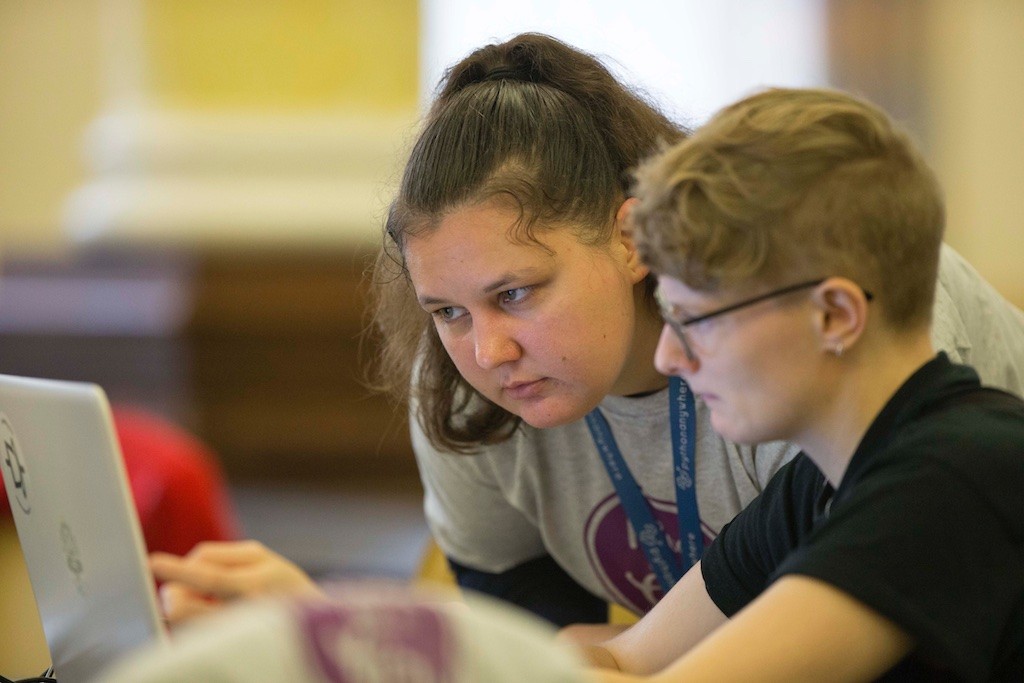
{"x":77,"y":523}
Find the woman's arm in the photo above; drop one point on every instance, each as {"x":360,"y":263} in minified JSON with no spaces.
{"x":800,"y":629}
{"x":681,"y":620}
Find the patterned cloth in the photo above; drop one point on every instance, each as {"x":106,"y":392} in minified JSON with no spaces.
{"x":367,"y":632}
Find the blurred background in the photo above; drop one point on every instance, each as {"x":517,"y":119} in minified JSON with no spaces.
{"x":190,"y":191}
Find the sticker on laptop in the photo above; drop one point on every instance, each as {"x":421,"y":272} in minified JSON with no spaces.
{"x":14,"y":468}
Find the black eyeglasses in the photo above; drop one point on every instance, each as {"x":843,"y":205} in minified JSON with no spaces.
{"x":679,"y":326}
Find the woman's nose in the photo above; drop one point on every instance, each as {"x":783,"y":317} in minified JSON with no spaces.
{"x":494,"y":343}
{"x":671,"y":357}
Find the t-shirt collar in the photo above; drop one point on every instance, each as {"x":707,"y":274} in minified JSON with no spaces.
{"x":928,"y":384}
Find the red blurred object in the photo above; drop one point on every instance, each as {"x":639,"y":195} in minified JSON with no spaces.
{"x":178,"y":487}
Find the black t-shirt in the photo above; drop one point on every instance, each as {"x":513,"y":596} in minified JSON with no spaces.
{"x":926,"y":527}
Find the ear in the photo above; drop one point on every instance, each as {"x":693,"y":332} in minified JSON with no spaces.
{"x":843,"y":308}
{"x":623,"y":238}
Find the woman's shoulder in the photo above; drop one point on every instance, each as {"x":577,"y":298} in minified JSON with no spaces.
{"x":974,"y":440}
{"x":976,"y":325}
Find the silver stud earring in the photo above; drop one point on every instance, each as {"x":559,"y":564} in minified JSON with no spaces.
{"x":838,"y":349}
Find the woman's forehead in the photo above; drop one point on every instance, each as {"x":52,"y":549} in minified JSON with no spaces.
{"x":495,"y":224}
{"x":479,"y":244}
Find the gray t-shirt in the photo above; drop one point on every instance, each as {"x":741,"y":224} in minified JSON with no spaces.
{"x":545,"y":491}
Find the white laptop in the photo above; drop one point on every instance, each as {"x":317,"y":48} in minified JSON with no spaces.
{"x":77,"y":524}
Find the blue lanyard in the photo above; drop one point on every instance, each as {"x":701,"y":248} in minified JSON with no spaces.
{"x":649,"y":532}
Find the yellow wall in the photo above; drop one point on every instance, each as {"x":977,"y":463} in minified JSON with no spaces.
{"x":49,"y":91}
{"x":976,"y":97}
{"x":231,"y":53}
{"x":318,"y":57}
{"x":270,"y":54}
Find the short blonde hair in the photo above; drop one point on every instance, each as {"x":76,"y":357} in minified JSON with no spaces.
{"x":792,"y":184}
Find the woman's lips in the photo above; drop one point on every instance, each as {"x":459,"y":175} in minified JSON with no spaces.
{"x":524,"y":390}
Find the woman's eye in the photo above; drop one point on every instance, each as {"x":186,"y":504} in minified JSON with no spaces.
{"x":511,"y":296}
{"x":701,"y":326}
{"x":449,"y":313}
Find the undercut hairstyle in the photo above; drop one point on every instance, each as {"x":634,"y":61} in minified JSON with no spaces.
{"x":795,"y":184}
{"x":531,"y":122}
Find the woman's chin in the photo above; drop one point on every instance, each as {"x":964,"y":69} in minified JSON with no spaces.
{"x":742,"y":431}
{"x":729,"y":429}
{"x":546,"y":417}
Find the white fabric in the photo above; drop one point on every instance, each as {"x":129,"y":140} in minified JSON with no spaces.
{"x":976,"y":326}
{"x":367,"y":633}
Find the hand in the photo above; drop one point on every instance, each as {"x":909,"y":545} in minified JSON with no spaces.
{"x":213,"y":574}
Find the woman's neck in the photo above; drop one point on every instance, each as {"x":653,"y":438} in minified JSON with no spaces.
{"x":861,"y":385}
{"x":638,"y":375}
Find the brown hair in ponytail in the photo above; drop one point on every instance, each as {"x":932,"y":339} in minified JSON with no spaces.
{"x":545,"y":126}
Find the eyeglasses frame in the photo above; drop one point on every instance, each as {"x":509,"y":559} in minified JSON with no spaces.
{"x":679,"y":326}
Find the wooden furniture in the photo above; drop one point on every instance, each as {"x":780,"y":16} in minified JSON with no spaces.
{"x":260,"y":353}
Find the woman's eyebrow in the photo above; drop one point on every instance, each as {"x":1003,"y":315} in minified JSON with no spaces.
{"x":429,"y":300}
{"x":502,"y":282}
{"x":507,"y":278}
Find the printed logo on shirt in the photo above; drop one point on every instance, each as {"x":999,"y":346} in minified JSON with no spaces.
{"x":379,"y":642}
{"x":617,"y":558}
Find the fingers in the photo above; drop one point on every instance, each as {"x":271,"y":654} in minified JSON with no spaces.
{"x":232,"y":552}
{"x":226,"y":552}
{"x":276,"y":575}
{"x":213,"y":573}
{"x":179,"y":603}
{"x":198,"y":575}
{"x":220,"y":569}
